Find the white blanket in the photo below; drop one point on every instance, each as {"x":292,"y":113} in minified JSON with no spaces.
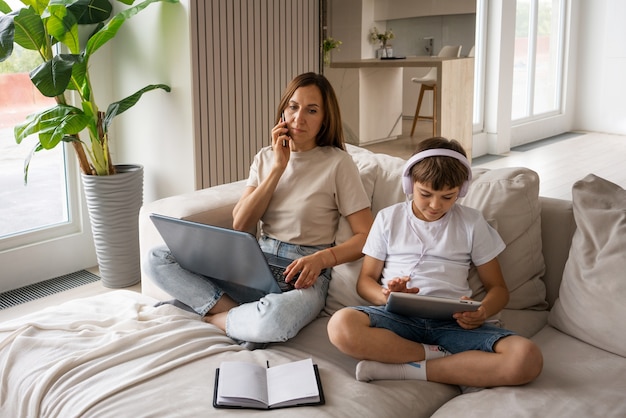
{"x":64,"y":361}
{"x":115,"y":355}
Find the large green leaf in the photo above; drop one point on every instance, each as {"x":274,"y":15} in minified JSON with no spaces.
{"x":4,"y":7}
{"x":7,"y":31}
{"x":52,"y":125}
{"x":52,"y":77}
{"x":110,"y":29}
{"x":90,"y":11}
{"x":29,"y":30}
{"x":39,"y":6}
{"x":123,"y":105}
{"x":37,"y":147}
{"x":70,"y":124}
{"x":79,"y":78}
{"x":62,"y":24}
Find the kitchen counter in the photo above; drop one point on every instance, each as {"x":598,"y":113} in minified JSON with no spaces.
{"x":370,"y":95}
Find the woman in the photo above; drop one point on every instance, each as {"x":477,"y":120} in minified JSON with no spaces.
{"x":298,"y":188}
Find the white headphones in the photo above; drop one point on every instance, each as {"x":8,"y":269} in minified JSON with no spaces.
{"x":407,"y":181}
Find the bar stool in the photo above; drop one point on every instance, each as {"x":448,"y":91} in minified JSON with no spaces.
{"x":429,"y":82}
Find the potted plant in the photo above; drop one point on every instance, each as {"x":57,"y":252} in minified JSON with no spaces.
{"x":328,"y":45}
{"x":383,"y":38}
{"x":52,"y":28}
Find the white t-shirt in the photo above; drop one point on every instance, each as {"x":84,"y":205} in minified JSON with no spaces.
{"x":435,"y":255}
{"x":316,"y":188}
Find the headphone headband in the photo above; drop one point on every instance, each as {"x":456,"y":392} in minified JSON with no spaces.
{"x":407,"y":181}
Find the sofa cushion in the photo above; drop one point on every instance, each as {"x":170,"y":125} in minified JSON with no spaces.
{"x":577,"y":380}
{"x":388,"y":186}
{"x":591,"y":305}
{"x":368,"y":170}
{"x":380,"y":175}
{"x":509,"y":201}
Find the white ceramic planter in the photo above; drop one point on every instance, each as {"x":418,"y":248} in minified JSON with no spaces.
{"x":113,"y":203}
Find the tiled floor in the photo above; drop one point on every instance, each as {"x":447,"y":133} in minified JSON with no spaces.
{"x":558,"y":161}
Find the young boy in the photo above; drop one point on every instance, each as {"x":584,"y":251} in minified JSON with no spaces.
{"x":426,"y":245}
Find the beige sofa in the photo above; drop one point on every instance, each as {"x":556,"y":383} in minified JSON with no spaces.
{"x":581,"y":333}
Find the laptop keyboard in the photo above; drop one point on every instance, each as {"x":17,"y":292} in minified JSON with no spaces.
{"x":277,"y":272}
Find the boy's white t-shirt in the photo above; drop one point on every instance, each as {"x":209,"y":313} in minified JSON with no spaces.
{"x":317,"y":187}
{"x":435,"y":255}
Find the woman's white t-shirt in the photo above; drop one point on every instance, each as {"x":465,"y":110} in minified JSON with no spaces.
{"x":317,"y":187}
{"x":435,"y":255}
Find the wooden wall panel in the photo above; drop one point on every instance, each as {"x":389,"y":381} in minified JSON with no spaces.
{"x":244,"y":54}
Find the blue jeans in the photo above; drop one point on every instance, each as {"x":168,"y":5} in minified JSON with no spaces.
{"x":273,"y":318}
{"x":447,"y":334}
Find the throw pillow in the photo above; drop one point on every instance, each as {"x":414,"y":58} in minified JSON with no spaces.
{"x":509,"y":201}
{"x":591,"y":305}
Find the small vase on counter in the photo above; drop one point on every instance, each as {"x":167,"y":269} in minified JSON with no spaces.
{"x":384,"y":52}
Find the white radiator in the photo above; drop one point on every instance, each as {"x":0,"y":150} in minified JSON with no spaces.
{"x":244,"y":54}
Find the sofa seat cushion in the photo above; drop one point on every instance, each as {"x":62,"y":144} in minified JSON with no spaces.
{"x":591,"y":304}
{"x":578,"y":380}
{"x":509,"y":201}
{"x":347,"y":397}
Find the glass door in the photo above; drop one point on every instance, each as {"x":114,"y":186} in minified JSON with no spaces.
{"x":538,"y":66}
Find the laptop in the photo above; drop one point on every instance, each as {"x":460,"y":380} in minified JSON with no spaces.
{"x":232,"y":259}
{"x":429,"y":307}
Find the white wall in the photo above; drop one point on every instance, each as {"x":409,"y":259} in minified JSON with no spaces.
{"x":153,"y":48}
{"x":401,"y":9}
{"x":348,"y":31}
{"x":601,"y":88}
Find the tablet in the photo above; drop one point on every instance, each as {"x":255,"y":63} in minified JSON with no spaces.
{"x":430,"y":307}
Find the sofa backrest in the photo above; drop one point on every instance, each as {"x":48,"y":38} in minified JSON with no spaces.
{"x":557,"y":229}
{"x":380,"y":174}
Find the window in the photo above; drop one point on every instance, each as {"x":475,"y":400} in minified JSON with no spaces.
{"x":43,"y":232}
{"x":537,"y":73}
{"x":43,"y":201}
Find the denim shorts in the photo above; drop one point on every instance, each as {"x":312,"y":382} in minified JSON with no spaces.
{"x":446,"y":333}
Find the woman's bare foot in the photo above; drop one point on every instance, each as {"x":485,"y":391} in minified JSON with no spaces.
{"x":218,"y":319}
{"x":217,"y":315}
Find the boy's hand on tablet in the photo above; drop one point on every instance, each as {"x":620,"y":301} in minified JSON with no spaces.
{"x":399,"y":284}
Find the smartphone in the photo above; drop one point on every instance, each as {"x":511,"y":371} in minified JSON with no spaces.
{"x":282,"y":119}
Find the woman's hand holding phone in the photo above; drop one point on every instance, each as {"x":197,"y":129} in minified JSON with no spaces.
{"x":280,"y":142}
{"x":284,"y":120}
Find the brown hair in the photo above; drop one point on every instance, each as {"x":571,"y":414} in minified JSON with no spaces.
{"x":440,"y":172}
{"x":331,"y":132}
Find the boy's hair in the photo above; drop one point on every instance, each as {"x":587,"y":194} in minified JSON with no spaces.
{"x":331,"y":132}
{"x":440,"y":172}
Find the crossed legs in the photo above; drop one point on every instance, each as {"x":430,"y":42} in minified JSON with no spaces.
{"x":515,"y":360}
